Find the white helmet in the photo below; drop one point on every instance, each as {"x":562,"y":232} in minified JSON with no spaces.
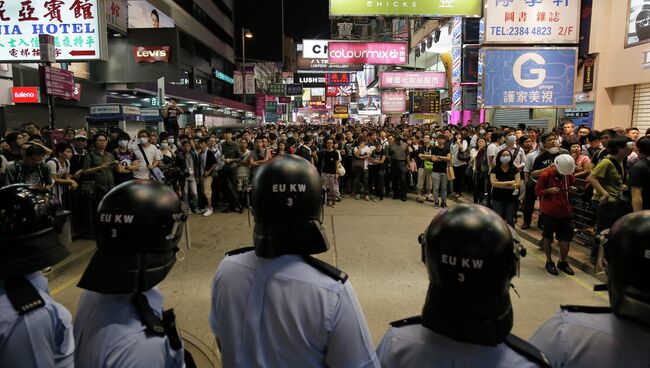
{"x":565,"y":164}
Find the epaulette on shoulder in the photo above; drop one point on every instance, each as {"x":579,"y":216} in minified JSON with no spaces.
{"x":239,"y":251}
{"x":327,"y":269}
{"x":586,"y":309}
{"x":528,"y":351}
{"x":406,"y":321}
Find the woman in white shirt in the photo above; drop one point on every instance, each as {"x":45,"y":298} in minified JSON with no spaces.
{"x":460,"y":158}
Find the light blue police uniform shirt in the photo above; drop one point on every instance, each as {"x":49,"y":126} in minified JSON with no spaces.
{"x":282,"y":312}
{"x":577,"y":340}
{"x":417,"y":346}
{"x":40,"y":338}
{"x":109,"y":333}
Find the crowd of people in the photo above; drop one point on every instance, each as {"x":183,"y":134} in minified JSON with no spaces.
{"x":505,"y":168}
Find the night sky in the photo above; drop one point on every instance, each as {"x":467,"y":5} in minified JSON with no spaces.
{"x":303,"y":19}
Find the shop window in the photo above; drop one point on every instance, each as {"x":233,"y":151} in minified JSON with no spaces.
{"x":185,"y":41}
{"x":185,"y":77}
{"x":641,"y":109}
{"x":202,"y":82}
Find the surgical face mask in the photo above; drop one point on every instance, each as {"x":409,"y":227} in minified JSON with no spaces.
{"x":143,"y":140}
{"x":124,"y":144}
{"x":170,"y":140}
{"x":512,"y":139}
{"x":505,"y":159}
{"x":554,"y":150}
{"x":164,"y":145}
{"x":199,"y":134}
{"x":481,"y":132}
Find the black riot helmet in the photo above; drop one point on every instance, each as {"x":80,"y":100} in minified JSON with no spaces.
{"x":288,"y":201}
{"x":627,"y":252}
{"x":138,"y":227}
{"x":29,"y":227}
{"x":470,"y":256}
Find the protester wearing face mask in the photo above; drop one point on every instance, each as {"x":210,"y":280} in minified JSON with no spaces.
{"x":127,"y":161}
{"x":145,"y":152}
{"x":505,"y":180}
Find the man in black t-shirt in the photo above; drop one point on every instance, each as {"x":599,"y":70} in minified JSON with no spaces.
{"x":639,"y":179}
{"x":546,"y":158}
{"x":171,"y":112}
{"x":441,"y":157}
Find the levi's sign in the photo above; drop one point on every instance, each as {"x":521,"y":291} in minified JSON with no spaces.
{"x":25,"y":95}
{"x":78,"y":27}
{"x":385,"y":53}
{"x":151,"y":54}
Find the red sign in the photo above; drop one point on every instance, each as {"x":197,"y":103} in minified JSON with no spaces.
{"x":76,"y":94}
{"x":338,"y":79}
{"x":339,"y":91}
{"x":284,"y":100}
{"x":25,"y":95}
{"x":57,"y":82}
{"x":151,"y":54}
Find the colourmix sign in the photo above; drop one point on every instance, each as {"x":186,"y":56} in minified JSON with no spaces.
{"x":364,"y":8}
{"x":528,"y":77}
{"x":384,"y":53}
{"x":78,"y":26}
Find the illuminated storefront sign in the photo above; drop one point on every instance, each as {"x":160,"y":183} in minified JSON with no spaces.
{"x":528,"y":78}
{"x":364,"y":8}
{"x":384,"y":53}
{"x":412,"y":80}
{"x":78,"y":27}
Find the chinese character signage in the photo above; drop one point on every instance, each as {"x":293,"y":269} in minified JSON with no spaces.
{"x":343,"y":91}
{"x":271,"y":106}
{"x":412,"y":80}
{"x":588,"y":75}
{"x":426,"y":102}
{"x":311,"y":80}
{"x":322,"y":65}
{"x":116,"y":11}
{"x":277,"y":89}
{"x":638,"y":23}
{"x":338,"y":79}
{"x":78,"y":27}
{"x":532,"y":21}
{"x":378,"y":53}
{"x":528,"y":78}
{"x":364,"y":8}
{"x":57,"y":82}
{"x":393,"y":102}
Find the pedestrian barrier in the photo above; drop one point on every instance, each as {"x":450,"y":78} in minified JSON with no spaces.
{"x":584,"y":216}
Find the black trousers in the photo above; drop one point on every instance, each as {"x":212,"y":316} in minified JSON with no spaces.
{"x":376,"y":181}
{"x":398,"y":173}
{"x":230,"y":187}
{"x":529,"y":202}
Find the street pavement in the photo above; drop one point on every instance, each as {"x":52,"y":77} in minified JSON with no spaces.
{"x":375,"y":243}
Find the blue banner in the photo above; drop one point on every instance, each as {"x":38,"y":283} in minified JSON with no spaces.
{"x":528,"y":77}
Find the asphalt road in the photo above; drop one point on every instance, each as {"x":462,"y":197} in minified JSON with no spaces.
{"x":375,"y":243}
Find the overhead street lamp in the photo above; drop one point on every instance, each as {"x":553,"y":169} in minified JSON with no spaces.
{"x":245,"y":33}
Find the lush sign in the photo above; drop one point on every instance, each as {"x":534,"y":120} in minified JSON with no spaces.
{"x":528,"y":78}
{"x":364,"y":8}
{"x":78,"y":27}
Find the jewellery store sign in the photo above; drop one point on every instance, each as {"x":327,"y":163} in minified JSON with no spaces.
{"x":78,"y":27}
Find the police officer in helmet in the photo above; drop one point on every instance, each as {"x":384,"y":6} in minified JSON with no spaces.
{"x":35,"y":331}
{"x":470,"y":256}
{"x":120,"y":320}
{"x":273,"y":305}
{"x":619,"y":336}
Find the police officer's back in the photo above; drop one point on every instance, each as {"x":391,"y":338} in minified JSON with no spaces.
{"x":579,"y":336}
{"x":35,"y":331}
{"x":470,"y":257}
{"x":273,"y":305}
{"x":120,"y":320}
